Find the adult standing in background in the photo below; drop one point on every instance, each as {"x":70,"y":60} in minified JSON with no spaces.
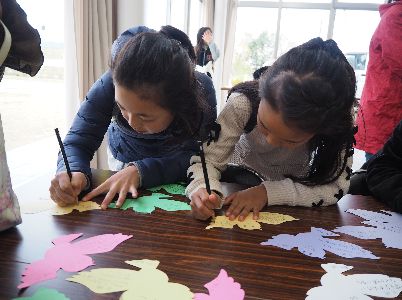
{"x":381,"y":102}
{"x":206,"y":51}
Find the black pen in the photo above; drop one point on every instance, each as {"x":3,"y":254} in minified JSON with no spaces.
{"x":63,"y":153}
{"x":204,"y":167}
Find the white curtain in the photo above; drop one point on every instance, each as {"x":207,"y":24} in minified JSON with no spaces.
{"x":90,"y":31}
{"x":224,"y":34}
{"x":208,"y":7}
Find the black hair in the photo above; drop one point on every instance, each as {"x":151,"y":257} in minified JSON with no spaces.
{"x":178,"y":35}
{"x":200,"y":41}
{"x":158,"y":68}
{"x":313,"y":87}
{"x":258,"y":73}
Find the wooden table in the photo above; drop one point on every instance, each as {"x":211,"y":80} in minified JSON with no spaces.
{"x":188,"y":253}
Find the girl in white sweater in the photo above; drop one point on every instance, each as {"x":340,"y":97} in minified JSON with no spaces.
{"x":294,"y":127}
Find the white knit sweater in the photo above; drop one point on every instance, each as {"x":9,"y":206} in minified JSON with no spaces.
{"x":251,"y":150}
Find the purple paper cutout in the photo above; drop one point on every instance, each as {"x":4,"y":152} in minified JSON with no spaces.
{"x":71,"y":257}
{"x":386,"y":226}
{"x":314,"y":244}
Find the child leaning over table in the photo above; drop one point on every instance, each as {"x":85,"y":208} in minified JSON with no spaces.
{"x":294,"y":127}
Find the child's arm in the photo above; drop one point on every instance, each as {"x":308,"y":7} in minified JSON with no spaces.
{"x":384,"y":173}
{"x":232,"y":119}
{"x":288,"y":192}
{"x":89,"y":126}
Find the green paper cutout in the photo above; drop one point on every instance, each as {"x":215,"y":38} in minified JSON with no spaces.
{"x":45,"y":294}
{"x":175,"y":188}
{"x":147,"y":204}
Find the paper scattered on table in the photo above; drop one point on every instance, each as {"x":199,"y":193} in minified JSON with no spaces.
{"x":147,"y":204}
{"x":42,"y":205}
{"x":45,"y":294}
{"x":71,"y":257}
{"x":386,"y":226}
{"x":222,"y":287}
{"x":175,"y":188}
{"x":249,"y":223}
{"x":314,"y":244}
{"x":336,"y":286}
{"x":147,"y":284}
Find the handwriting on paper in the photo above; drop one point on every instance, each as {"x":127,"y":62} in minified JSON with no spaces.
{"x":249,"y":223}
{"x":148,"y":283}
{"x":45,"y":294}
{"x":176,"y":189}
{"x":314,"y":244}
{"x":48,"y":205}
{"x":222,"y":287}
{"x":386,"y":226}
{"x":147,"y":204}
{"x":71,"y":257}
{"x":335,"y":285}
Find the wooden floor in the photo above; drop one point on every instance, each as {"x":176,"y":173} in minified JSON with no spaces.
{"x":191,"y":255}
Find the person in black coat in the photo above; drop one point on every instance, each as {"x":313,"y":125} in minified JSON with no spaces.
{"x":384,"y":172}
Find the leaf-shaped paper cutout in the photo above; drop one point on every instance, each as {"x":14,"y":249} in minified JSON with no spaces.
{"x":147,"y":204}
{"x":222,"y":287}
{"x":175,"y":188}
{"x":386,"y":226}
{"x":314,"y":244}
{"x":45,"y":294}
{"x":249,"y":223}
{"x":147,"y":283}
{"x":42,"y":205}
{"x":71,"y":257}
{"x":335,"y":285}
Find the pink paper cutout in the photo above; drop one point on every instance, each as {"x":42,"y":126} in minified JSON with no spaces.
{"x":222,"y":287}
{"x":69,"y":257}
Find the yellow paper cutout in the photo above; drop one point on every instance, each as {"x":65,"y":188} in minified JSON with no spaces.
{"x":81,"y":206}
{"x":146,"y":284}
{"x":249,"y":223}
{"x":34,"y":207}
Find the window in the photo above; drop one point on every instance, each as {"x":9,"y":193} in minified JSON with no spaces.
{"x":31,"y":107}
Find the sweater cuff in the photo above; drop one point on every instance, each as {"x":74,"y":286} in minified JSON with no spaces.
{"x":280,"y":193}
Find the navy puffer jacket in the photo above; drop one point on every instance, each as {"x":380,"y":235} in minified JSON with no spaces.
{"x":159,"y":158}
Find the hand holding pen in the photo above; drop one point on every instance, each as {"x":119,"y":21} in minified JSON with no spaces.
{"x":204,"y":201}
{"x":66,"y":186}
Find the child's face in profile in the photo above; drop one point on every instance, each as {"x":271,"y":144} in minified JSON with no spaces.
{"x":143,"y":115}
{"x":276,"y":132}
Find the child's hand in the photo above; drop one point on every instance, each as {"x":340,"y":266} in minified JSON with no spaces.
{"x":207,"y":37}
{"x":242,"y":202}
{"x":203,"y":204}
{"x":65,"y":192}
{"x":124,"y":181}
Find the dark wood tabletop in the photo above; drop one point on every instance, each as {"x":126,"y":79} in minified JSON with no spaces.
{"x":188,"y":253}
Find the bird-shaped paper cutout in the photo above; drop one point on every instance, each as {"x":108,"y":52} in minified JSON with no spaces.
{"x":314,"y":244}
{"x":336,"y":286}
{"x":249,"y":223}
{"x":48,"y":205}
{"x":45,"y":294}
{"x":386,"y":226}
{"x":71,"y":257}
{"x":175,"y":188}
{"x":147,"y":204}
{"x":222,"y":287}
{"x":148,"y":283}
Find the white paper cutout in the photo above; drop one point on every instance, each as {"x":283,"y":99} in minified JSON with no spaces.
{"x":336,"y":286}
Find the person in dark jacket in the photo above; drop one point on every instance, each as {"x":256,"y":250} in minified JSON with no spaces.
{"x":206,"y":51}
{"x":152,"y":104}
{"x":384,"y":172}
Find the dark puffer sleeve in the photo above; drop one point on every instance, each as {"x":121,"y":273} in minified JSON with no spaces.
{"x":384,"y":173}
{"x":89,"y":126}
